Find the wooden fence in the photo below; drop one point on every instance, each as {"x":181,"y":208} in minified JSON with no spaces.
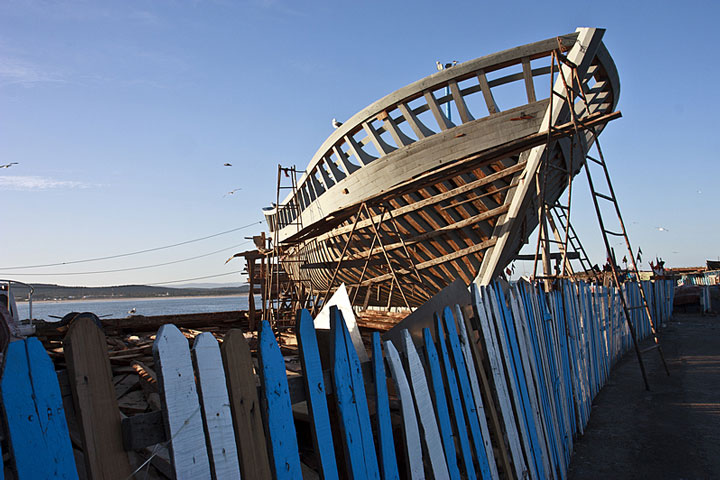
{"x":497,"y":389}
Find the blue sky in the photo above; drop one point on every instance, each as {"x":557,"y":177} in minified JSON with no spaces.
{"x":121,"y":116}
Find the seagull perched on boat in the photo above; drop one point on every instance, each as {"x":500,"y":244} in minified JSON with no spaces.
{"x":132,"y":311}
{"x":336,"y":124}
{"x":8,"y":165}
{"x":439,"y":66}
{"x":227,"y":164}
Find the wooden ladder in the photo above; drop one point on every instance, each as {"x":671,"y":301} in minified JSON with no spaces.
{"x":571,"y":92}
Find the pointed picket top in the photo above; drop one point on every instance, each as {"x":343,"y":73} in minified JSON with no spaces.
{"x":426,"y":411}
{"x":386,"y":443}
{"x":410,"y":425}
{"x":285,"y":457}
{"x":352,"y":402}
{"x":316,"y":395}
{"x":181,"y":406}
{"x":32,"y":404}
{"x":215,"y":407}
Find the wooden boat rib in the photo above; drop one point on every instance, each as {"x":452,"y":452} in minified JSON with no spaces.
{"x":401,"y":200}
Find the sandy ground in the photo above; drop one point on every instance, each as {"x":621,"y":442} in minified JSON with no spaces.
{"x":670,"y":432}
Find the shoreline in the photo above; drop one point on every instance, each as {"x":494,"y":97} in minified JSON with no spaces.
{"x":129,"y":299}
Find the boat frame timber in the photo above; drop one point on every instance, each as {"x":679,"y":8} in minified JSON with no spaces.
{"x":461,"y":196}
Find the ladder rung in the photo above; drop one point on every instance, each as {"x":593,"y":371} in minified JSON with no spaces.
{"x":645,"y":350}
{"x":594,"y":160}
{"x":606,"y":197}
{"x":557,"y":205}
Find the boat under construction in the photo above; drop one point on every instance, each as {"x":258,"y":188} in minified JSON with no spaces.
{"x":443,"y":179}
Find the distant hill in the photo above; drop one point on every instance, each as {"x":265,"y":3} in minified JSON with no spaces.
{"x":60,"y":292}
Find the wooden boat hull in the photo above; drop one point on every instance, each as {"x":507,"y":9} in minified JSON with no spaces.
{"x":435,"y":200}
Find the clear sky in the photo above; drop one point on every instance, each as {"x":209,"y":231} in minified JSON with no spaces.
{"x":121,"y":116}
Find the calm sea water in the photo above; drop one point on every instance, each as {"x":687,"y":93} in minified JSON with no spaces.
{"x":142,"y":306}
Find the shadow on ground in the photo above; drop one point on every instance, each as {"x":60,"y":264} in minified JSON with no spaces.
{"x":670,"y":432}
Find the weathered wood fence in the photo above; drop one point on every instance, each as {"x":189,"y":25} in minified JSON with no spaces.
{"x":499,"y":388}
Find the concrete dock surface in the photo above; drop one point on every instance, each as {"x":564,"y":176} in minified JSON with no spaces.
{"x":669,"y":432}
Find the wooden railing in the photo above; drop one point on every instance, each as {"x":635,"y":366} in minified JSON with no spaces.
{"x":418,"y":111}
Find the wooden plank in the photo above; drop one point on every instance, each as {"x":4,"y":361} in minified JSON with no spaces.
{"x":487,"y":93}
{"x":455,"y":402}
{"x":528,"y":76}
{"x":530,"y":373}
{"x":352,"y":402}
{"x":462,"y":108}
{"x":245,"y":406}
{"x":94,"y":398}
{"x":181,"y":405}
{"x":426,"y":411}
{"x":316,"y":395}
{"x":285,"y":458}
{"x":215,"y":403}
{"x":495,"y":355}
{"x":413,"y":448}
{"x":465,"y":392}
{"x":32,"y":404}
{"x":477,"y":349}
{"x":386,"y":444}
{"x":442,"y":120}
{"x":438,"y":389}
{"x":419,"y":128}
{"x":518,"y":375}
{"x":475,"y":386}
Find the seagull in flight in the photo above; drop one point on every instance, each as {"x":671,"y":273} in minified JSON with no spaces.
{"x":662,"y":229}
{"x":227,"y":164}
{"x":132,"y":311}
{"x":232,"y":192}
{"x":336,"y":124}
{"x":8,"y":165}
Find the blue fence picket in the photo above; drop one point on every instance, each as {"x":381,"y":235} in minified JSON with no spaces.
{"x":454,"y":394}
{"x":438,"y":389}
{"x":316,"y":395}
{"x":509,"y":330}
{"x":386,"y":443}
{"x":280,"y":425}
{"x":466,"y":392}
{"x":34,"y":414}
{"x":413,"y":448}
{"x":352,"y":402}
